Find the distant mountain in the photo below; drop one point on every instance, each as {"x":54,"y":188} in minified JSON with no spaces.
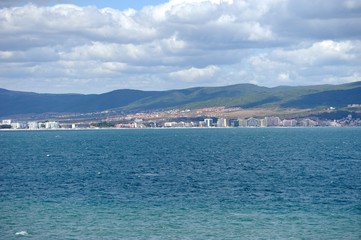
{"x":240,"y":95}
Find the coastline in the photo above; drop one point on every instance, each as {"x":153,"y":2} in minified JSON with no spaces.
{"x":165,"y":128}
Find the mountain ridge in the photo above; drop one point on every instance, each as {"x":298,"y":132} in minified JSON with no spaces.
{"x":242,"y":95}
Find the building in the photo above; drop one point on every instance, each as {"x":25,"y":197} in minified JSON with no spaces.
{"x":252,"y":122}
{"x":138,"y":123}
{"x":170,"y":124}
{"x":180,"y":124}
{"x":152,"y":124}
{"x":234,"y":123}
{"x":80,"y":125}
{"x":242,"y":122}
{"x":335,"y":124}
{"x":190,"y":124}
{"x":308,"y":123}
{"x":272,"y":121}
{"x":263,"y":122}
{"x":289,"y":123}
{"x":18,"y":125}
{"x":222,"y":123}
{"x":52,"y":125}
{"x":208,"y":122}
{"x":33,"y":125}
{"x":125,"y":125}
{"x":6,"y":122}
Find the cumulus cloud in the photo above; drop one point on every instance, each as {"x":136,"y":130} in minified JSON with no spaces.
{"x":322,"y":53}
{"x":192,"y":74}
{"x":313,"y":64}
{"x":181,"y":43}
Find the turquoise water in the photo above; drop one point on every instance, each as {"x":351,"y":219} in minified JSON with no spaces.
{"x":302,"y":183}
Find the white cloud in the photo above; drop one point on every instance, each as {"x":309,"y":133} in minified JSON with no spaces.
{"x":302,"y":65}
{"x":181,"y":43}
{"x":352,"y":4}
{"x":173,"y":44}
{"x":343,"y":79}
{"x":193,"y":74}
{"x":284,"y":77}
{"x":321,"y":53}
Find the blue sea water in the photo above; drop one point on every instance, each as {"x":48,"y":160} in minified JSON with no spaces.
{"x":271,"y":183}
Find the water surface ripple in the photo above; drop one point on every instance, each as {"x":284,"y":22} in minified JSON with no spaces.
{"x":301,"y":183}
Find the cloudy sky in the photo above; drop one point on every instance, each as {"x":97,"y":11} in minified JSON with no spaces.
{"x":98,"y":46}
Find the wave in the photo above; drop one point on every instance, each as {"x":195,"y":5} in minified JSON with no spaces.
{"x":22,"y":233}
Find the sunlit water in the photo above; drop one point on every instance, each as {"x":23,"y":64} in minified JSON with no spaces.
{"x":299,"y":183}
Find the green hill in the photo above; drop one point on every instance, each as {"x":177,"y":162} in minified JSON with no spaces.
{"x":240,"y":95}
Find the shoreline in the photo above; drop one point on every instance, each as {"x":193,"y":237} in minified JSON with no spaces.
{"x":164,"y":128}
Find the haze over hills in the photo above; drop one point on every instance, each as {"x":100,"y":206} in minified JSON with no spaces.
{"x":240,"y":95}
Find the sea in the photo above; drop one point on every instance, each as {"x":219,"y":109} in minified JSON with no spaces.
{"x":235,"y":183}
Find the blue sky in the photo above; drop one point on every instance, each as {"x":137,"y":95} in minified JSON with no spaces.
{"x":116,"y":4}
{"x":64,"y":46}
{"x":120,"y":4}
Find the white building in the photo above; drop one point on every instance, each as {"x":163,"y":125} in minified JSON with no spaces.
{"x":208,"y":122}
{"x":263,"y":122}
{"x":222,"y":122}
{"x":335,"y":124}
{"x":6,"y":122}
{"x":272,"y":121}
{"x":52,"y":125}
{"x":253,"y":122}
{"x":181,"y":124}
{"x":16,"y":125}
{"x":170,"y":124}
{"x":33,"y":125}
{"x":242,"y":122}
{"x":289,"y":123}
{"x":308,"y":123}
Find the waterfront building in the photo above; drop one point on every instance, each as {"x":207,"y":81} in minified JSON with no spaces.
{"x":125,"y":125}
{"x":66,"y":125}
{"x":6,"y":122}
{"x":52,"y":125}
{"x":335,"y":124}
{"x":289,"y":123}
{"x":252,"y":122}
{"x":170,"y":124}
{"x":80,"y":125}
{"x":222,"y":122}
{"x":242,"y":122}
{"x":139,"y":125}
{"x":272,"y":121}
{"x":33,"y":125}
{"x":234,"y":123}
{"x":308,"y":123}
{"x":152,"y":124}
{"x":190,"y":124}
{"x":263,"y":122}
{"x":180,"y":124}
{"x":15,"y":125}
{"x":208,"y":122}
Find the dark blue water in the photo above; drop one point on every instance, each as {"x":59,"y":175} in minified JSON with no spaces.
{"x":181,"y":184}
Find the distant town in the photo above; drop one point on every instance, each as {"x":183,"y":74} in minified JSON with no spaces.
{"x":220,"y":118}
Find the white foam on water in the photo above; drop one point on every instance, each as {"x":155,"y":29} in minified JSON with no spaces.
{"x":22,"y":233}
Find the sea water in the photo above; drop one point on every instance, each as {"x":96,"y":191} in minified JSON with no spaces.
{"x":280,"y":183}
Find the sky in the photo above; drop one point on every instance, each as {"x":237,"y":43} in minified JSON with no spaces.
{"x":65,"y":46}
